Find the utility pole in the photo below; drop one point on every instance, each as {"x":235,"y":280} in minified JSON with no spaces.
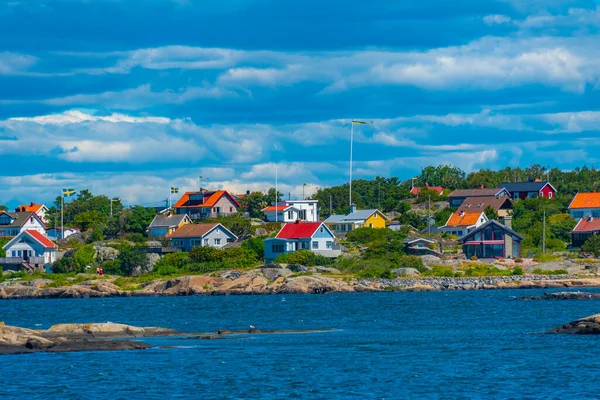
{"x":544,"y":233}
{"x":429,"y":217}
{"x":330,"y":205}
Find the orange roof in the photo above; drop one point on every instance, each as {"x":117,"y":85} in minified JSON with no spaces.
{"x":210,"y":199}
{"x":276,"y":208}
{"x":30,"y":208}
{"x":463,"y":219}
{"x":586,"y":200}
{"x":41,"y":238}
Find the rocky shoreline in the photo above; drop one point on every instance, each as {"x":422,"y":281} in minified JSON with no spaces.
{"x":280,"y":280}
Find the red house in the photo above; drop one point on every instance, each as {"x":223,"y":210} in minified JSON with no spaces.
{"x":531,"y":189}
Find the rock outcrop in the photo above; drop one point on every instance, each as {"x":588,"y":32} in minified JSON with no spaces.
{"x":564,"y":296}
{"x":584,"y":326}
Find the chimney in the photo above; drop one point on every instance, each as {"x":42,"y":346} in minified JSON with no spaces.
{"x":537,"y":179}
{"x":590,"y":218}
{"x":352,"y":208}
{"x":462,"y":213}
{"x":247,"y":192}
{"x":507,"y":221}
{"x":298,"y":221}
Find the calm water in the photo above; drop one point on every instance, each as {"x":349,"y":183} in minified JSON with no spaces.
{"x":385,"y":345}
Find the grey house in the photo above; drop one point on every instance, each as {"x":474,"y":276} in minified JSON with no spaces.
{"x":194,"y":235}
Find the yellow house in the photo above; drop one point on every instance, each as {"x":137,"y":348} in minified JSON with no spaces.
{"x":165,"y":225}
{"x":356,"y":219}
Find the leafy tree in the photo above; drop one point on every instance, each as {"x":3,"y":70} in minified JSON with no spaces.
{"x":203,"y":254}
{"x":138,"y":219}
{"x":84,"y":255}
{"x":253,"y":203}
{"x":3,"y":208}
{"x":236,"y":223}
{"x":592,"y":245}
{"x":442,"y":216}
{"x":66,"y":265}
{"x":129,"y":259}
{"x":256,"y":246}
{"x":490,"y":213}
{"x":3,"y":242}
{"x":446,"y":176}
{"x":89,"y":219}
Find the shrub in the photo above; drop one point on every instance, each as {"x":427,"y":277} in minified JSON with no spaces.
{"x":545,"y":257}
{"x":304,"y":257}
{"x":237,"y":258}
{"x":517,"y":271}
{"x":178,"y":260}
{"x":206,"y":254}
{"x":592,"y":245}
{"x":440,"y":271}
{"x":412,"y":262}
{"x":130,"y":259}
{"x":66,"y":265}
{"x":518,"y":260}
{"x":84,"y":255}
{"x":474,"y":258}
{"x":137,"y":238}
{"x":539,"y":271}
{"x":255,"y":245}
{"x":111,"y":267}
{"x":375,"y":271}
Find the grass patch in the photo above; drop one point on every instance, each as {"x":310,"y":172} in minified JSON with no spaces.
{"x":539,"y":271}
{"x":440,"y":271}
{"x":546,"y":258}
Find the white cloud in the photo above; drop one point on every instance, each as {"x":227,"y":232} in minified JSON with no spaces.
{"x":13,"y":63}
{"x":496,"y":19}
{"x":77,"y":117}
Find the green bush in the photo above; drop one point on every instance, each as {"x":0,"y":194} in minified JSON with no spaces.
{"x":112,"y":267}
{"x":66,"y":265}
{"x":178,"y":260}
{"x":255,"y":245}
{"x":517,"y":271}
{"x":129,"y":259}
{"x":440,"y":271}
{"x":84,"y":255}
{"x":137,"y":238}
{"x":539,"y":271}
{"x":412,"y":262}
{"x":304,"y":257}
{"x":206,"y":254}
{"x":592,"y":245}
{"x":237,"y":258}
{"x":374,"y":271}
{"x":486,"y":270}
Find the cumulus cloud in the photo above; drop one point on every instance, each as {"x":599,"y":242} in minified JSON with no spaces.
{"x":13,"y":63}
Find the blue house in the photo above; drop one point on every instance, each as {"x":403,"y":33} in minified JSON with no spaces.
{"x":194,"y":235}
{"x":300,"y":235}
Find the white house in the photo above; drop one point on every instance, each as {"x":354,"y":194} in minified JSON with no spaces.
{"x":29,"y":247}
{"x":460,"y":223}
{"x":293,"y":210}
{"x":55,"y":234}
{"x":11,"y":224}
{"x":313,"y":236}
{"x":40,"y":209}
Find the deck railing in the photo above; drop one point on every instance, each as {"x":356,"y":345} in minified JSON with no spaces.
{"x":20,"y":260}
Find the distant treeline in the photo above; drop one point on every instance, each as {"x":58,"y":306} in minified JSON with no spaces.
{"x":386,"y":194}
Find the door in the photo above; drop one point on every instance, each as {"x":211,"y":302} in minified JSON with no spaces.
{"x":26,"y":254}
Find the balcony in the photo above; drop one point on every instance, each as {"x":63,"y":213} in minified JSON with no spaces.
{"x":21,"y":260}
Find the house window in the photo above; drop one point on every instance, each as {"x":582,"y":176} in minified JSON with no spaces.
{"x":578,"y":214}
{"x":19,"y":253}
{"x":375,"y":216}
{"x":277,"y":248}
{"x":206,"y":242}
{"x":178,"y":243}
{"x":550,"y":195}
{"x":315,"y":245}
{"x":217,"y":242}
{"x":370,"y":225}
{"x":290,"y":215}
{"x":329,"y":244}
{"x":230,"y":209}
{"x":321,"y":230}
{"x":596,"y":213}
{"x":14,"y":253}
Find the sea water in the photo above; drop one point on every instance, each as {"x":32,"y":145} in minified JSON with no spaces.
{"x":469,"y":344}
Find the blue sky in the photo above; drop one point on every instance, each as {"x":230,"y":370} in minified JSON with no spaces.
{"x":129,"y":97}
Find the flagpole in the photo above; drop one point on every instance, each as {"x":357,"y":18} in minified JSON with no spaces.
{"x":351,"y":140}
{"x":276,"y":193}
{"x":62,"y":220}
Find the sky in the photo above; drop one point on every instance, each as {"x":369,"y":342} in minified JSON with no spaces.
{"x":128,"y":97}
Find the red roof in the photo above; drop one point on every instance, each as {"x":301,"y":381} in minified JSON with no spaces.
{"x":299,"y":230}
{"x":43,"y":240}
{"x":210,"y":199}
{"x":416,"y":190}
{"x":587,"y":225}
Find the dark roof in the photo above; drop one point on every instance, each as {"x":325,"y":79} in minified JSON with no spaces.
{"x":19,"y":219}
{"x":480,"y":203}
{"x":491,"y":222}
{"x":167,"y":220}
{"x":475,"y":192}
{"x":524,"y":186}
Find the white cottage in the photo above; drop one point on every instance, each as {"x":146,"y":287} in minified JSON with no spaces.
{"x":11,"y":224}
{"x":29,"y":247}
{"x":292,"y":211}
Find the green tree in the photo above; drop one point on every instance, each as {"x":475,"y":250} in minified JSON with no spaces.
{"x":84,"y":255}
{"x":3,"y":208}
{"x":253,"y":203}
{"x":592,"y":245}
{"x":255,"y":245}
{"x":138,"y":218}
{"x":490,"y":213}
{"x":129,"y":259}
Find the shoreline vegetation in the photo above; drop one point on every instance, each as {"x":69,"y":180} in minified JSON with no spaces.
{"x":271,"y":279}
